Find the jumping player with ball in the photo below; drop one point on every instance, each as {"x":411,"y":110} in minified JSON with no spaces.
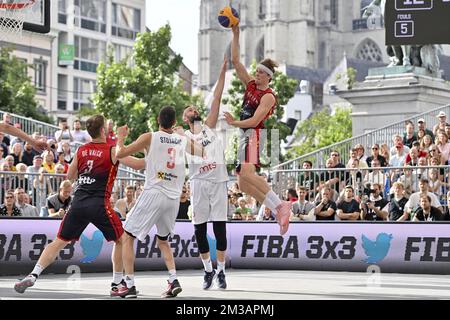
{"x":259,"y":103}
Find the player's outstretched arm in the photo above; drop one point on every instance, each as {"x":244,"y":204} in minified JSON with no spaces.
{"x":264,"y":108}
{"x":133,"y":162}
{"x":140,"y":145}
{"x":9,"y":129}
{"x":211,"y":120}
{"x":241,"y":71}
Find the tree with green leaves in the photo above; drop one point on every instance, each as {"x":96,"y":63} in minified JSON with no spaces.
{"x":322,"y":130}
{"x":17,"y":92}
{"x":134,"y":93}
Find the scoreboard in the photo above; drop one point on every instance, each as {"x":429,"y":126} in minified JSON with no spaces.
{"x":417,"y":22}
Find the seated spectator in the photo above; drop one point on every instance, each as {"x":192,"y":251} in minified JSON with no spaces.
{"x":28,"y":154}
{"x":291,"y":195}
{"x":232,"y":204}
{"x":252,"y":204}
{"x":242,"y":208}
{"x":58,"y":204}
{"x":360,"y":148}
{"x":420,"y":170}
{"x":183,"y":210}
{"x":397,"y":205}
{"x":334,"y":194}
{"x":62,"y":161}
{"x":55,"y":180}
{"x":354,"y":177}
{"x":376,"y":155}
{"x":309,"y":180}
{"x":21,"y":180}
{"x":111,"y":137}
{"x":42,"y":188}
{"x":9,"y":208}
{"x":330,"y":178}
{"x":3,"y":146}
{"x":6,"y":179}
{"x":335,"y":156}
{"x":426,"y":212}
{"x":446,"y":215}
{"x":236,"y":216}
{"x":414,"y":201}
{"x":443,"y":145}
{"x":25,"y":208}
{"x":376,"y":176}
{"x":374,"y":208}
{"x":17,"y":153}
{"x":249,"y":217}
{"x":265,"y":214}
{"x":426,"y":142}
{"x":1,"y":156}
{"x":412,"y":159}
{"x":421,"y":125}
{"x":384,"y":152}
{"x":49,"y":162}
{"x":354,"y":156}
{"x":398,"y":146}
{"x":435,"y":184}
{"x":65,"y":149}
{"x":10,"y":161}
{"x":302,"y":208}
{"x":326,"y":208}
{"x":409,"y":179}
{"x":348,"y":208}
{"x":124,"y":205}
{"x":434,"y":152}
{"x":80,"y":136}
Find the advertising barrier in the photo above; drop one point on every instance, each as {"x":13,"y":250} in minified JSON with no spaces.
{"x":328,"y":246}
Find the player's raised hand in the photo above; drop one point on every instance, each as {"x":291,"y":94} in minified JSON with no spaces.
{"x":229,"y":118}
{"x":122,"y":131}
{"x":39,"y":145}
{"x":235,"y":30}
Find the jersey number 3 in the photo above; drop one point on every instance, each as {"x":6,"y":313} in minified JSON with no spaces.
{"x":172,"y":154}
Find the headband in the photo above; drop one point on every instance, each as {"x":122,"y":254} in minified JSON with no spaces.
{"x":265,"y":69}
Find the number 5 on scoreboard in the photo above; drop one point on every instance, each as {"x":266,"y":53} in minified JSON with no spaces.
{"x":172,"y":154}
{"x":404,"y":29}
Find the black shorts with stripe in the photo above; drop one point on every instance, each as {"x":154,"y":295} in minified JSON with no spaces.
{"x":79,"y":215}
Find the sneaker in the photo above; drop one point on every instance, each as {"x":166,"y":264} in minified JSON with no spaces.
{"x":173,"y":289}
{"x":115,"y":288}
{"x":221,"y":282}
{"x":25,"y":283}
{"x":284,"y":211}
{"x":125,"y":292}
{"x":208,"y":279}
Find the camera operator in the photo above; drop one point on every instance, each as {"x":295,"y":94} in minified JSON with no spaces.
{"x":63,"y":134}
{"x":373,"y":206}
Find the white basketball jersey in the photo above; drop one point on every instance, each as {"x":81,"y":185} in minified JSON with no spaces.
{"x":165,"y":164}
{"x":212,"y":166}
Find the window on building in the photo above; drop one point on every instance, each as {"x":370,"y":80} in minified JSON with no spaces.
{"x":40,"y":69}
{"x":88,"y":53}
{"x":126,"y":21}
{"x":62,"y":11}
{"x":368,"y":50}
{"x":83,"y":89}
{"x":91,"y":15}
{"x":260,"y":50}
{"x":262,"y":9}
{"x":298,"y":114}
{"x":62,"y":92}
{"x":122,"y":52}
{"x":334,"y":12}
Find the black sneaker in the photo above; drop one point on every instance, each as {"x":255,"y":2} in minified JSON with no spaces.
{"x":208,"y":279}
{"x":172,"y":290}
{"x":221,"y":282}
{"x":127,"y":293}
{"x":115,"y":288}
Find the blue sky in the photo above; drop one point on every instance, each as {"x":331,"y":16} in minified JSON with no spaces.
{"x":183,"y":16}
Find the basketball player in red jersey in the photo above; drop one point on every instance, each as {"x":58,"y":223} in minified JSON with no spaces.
{"x":259,"y":103}
{"x":95,"y":165}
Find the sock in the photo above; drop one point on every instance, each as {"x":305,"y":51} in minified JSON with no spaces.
{"x":172,"y":275}
{"x":220,"y":266}
{"x":273,"y":198}
{"x":207,"y":264}
{"x":37,"y":270}
{"x":129,"y":279}
{"x":269,"y":204}
{"x":117,"y":277}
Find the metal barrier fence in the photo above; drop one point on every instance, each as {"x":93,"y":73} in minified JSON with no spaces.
{"x":40,"y":186}
{"x":379,"y":136}
{"x":337,"y":178}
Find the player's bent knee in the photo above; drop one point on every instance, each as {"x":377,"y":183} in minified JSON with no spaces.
{"x":200,"y":235}
{"x":220,"y":231}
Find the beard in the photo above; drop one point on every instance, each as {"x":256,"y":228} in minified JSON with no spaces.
{"x":195,"y":118}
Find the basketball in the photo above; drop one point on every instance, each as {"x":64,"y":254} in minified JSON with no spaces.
{"x":228,"y":17}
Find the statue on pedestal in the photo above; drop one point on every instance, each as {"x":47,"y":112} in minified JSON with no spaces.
{"x":425,"y":56}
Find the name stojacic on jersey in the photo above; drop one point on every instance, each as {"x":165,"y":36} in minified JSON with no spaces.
{"x":252,"y":99}
{"x":171,"y":140}
{"x":95,"y":170}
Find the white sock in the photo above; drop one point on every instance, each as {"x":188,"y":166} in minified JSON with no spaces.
{"x":220,"y":266}
{"x":37,"y":270}
{"x":207,"y":264}
{"x":269,"y":204}
{"x":273,"y":198}
{"x":172,"y":275}
{"x":129,"y":279}
{"x":117,"y":277}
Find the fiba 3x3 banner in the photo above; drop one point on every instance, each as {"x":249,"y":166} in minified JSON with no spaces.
{"x":327,"y":246}
{"x":417,"y":22}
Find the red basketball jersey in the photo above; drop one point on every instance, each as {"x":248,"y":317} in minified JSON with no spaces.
{"x":252,"y":99}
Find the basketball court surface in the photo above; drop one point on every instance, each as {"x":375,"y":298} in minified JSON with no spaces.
{"x":244,"y":285}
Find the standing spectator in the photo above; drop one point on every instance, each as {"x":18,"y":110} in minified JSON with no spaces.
{"x":302,"y":207}
{"x":265,"y":214}
{"x":442,"y":117}
{"x":64,"y":133}
{"x":111,"y":138}
{"x":184,"y":205}
{"x":443,"y":145}
{"x":397,"y":160}
{"x":326,"y":208}
{"x":80,"y":136}
{"x":125,"y":204}
{"x":422,"y":125}
{"x":17,"y":152}
{"x":397,"y":205}
{"x":376,"y":155}
{"x":28,"y":154}
{"x":374,"y":208}
{"x":409,"y":136}
{"x":49,"y":162}
{"x":8,"y":208}
{"x":67,"y":152}
{"x":57,"y":204}
{"x":25,"y":208}
{"x":414,"y":200}
{"x":426,"y":211}
{"x":348,"y":208}
{"x":309,"y":180}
